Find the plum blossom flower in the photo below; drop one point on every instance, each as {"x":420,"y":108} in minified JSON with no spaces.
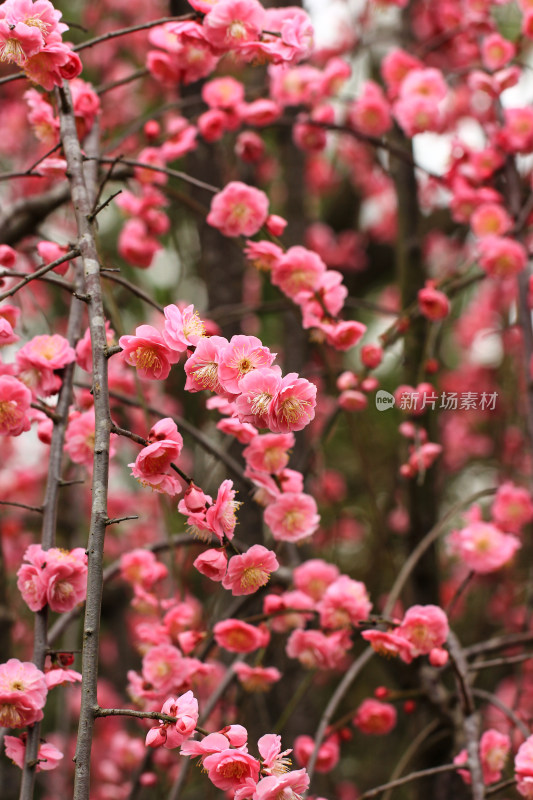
{"x":483,"y":547}
{"x":389,"y":643}
{"x":23,"y":693}
{"x":501,"y":257}
{"x":48,"y":756}
{"x":297,"y":272}
{"x":494,"y":748}
{"x":290,"y":785}
{"x":148,"y":352}
{"x":221,"y":517}
{"x":374,"y":717}
{"x":173,"y":734}
{"x":140,"y":566}
{"x":232,"y":23}
{"x":292,"y":517}
{"x":238,"y":210}
{"x":212,"y":563}
{"x":256,"y":679}
{"x":202,"y":366}
{"x":258,"y":390}
{"x":153,"y":462}
{"x":183,"y":328}
{"x":328,"y":754}
{"x":242,"y":355}
{"x":293,"y":407}
{"x":512,"y":507}
{"x":55,"y":577}
{"x":315,"y":650}
{"x":251,"y":570}
{"x":15,"y":400}
{"x":314,"y":576}
{"x":425,"y":627}
{"x":240,"y":637}
{"x":269,"y":452}
{"x":229,"y":769}
{"x":345,"y":602}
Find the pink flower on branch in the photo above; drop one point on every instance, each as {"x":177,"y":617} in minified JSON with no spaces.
{"x":173,"y":734}
{"x":240,"y":637}
{"x":48,"y":757}
{"x":15,"y":400}
{"x":148,"y":352}
{"x":23,"y":693}
{"x":238,"y":210}
{"x":292,"y":517}
{"x":232,"y":23}
{"x":251,"y":570}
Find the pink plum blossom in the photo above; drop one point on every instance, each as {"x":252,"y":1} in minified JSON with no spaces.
{"x":483,"y":547}
{"x":238,"y":210}
{"x":141,"y":567}
{"x":242,"y":355}
{"x":221,"y":516}
{"x":183,"y":328}
{"x":328,"y":753}
{"x":148,"y":352}
{"x":212,"y":563}
{"x":202,"y":366}
{"x":269,"y":452}
{"x":315,"y":650}
{"x":48,"y":756}
{"x":229,"y":769}
{"x":258,"y":390}
{"x":290,"y":784}
{"x":314,"y":576}
{"x":344,"y":603}
{"x":15,"y":400}
{"x":173,"y":734}
{"x":240,"y":637}
{"x":251,"y":570}
{"x":374,"y":717}
{"x":292,"y":517}
{"x":23,"y":693}
{"x":425,"y":627}
{"x":293,"y":407}
{"x":256,"y":679}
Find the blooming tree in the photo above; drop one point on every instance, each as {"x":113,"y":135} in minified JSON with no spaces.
{"x":266,"y":400}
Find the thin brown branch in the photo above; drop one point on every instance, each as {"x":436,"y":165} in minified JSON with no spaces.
{"x":134,"y":76}
{"x":37,"y":509}
{"x":413,"y":776}
{"x":172,"y":173}
{"x":508,"y":712}
{"x":426,"y":542}
{"x":109,"y":276}
{"x":106,"y":37}
{"x":39,"y":272}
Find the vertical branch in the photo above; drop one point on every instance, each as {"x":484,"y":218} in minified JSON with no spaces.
{"x":89,"y":255}
{"x":513,"y":193}
{"x":469,"y":718}
{"x":49,"y":524}
{"x":420,"y":498}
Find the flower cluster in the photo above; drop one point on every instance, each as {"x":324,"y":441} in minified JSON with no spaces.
{"x":423,"y":631}
{"x":54,"y":577}
{"x":238,"y":370}
{"x":151,"y":467}
{"x":31,"y":37}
